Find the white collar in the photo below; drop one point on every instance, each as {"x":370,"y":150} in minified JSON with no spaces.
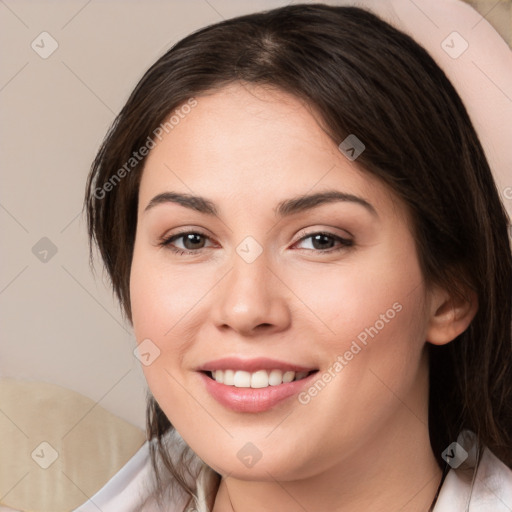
{"x":476,"y":488}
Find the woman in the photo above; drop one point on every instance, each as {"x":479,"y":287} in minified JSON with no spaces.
{"x":299,"y":220}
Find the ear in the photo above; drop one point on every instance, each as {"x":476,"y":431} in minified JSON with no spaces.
{"x":450,"y":315}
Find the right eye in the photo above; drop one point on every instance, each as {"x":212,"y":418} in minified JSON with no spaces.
{"x":192,"y":242}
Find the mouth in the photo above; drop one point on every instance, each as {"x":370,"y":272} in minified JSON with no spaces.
{"x":254,"y":385}
{"x":258,"y":379}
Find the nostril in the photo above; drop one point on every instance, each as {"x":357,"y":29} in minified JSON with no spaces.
{"x":264,"y":325}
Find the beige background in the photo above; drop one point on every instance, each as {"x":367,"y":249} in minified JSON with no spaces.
{"x":60,"y":324}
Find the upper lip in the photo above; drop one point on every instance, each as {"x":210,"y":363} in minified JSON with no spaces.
{"x":252,"y":365}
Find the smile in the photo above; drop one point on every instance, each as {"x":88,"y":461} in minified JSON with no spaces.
{"x":254,"y":385}
{"x":256,"y":380}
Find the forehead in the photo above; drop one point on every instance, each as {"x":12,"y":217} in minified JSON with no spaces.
{"x":245,"y":140}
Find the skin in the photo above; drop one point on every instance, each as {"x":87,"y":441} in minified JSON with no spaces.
{"x":362,"y":443}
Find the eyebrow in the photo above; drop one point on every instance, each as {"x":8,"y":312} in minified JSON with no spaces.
{"x":284,"y":208}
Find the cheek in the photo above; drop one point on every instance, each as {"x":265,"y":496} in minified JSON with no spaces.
{"x":158,"y":314}
{"x":167,"y":308}
{"x":369,"y":326}
{"x":162,"y":298}
{"x":363,"y":298}
{"x":377,"y":326}
{"x":373,"y":327}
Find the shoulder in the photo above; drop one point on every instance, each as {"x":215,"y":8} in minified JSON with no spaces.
{"x":477,"y":487}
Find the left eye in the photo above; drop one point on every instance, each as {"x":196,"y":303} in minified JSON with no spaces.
{"x":324,"y":242}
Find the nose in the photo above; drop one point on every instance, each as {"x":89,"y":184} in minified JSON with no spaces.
{"x":251,"y":299}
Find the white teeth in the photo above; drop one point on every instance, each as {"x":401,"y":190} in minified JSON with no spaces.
{"x":288,"y":376}
{"x":229,"y":377}
{"x":258,"y":379}
{"x":242,"y":379}
{"x":275,"y":378}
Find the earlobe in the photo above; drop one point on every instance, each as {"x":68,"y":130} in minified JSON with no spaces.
{"x":450,"y":315}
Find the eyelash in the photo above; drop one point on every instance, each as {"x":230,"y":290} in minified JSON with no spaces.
{"x":344,"y":242}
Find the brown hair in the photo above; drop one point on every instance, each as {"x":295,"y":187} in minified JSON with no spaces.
{"x":364,"y":77}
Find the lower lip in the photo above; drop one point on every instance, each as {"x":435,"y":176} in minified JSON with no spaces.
{"x":253,"y":399}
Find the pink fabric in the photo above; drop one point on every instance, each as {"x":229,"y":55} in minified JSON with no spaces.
{"x":482,"y":74}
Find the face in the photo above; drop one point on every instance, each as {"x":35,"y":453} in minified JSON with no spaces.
{"x":309,"y":312}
